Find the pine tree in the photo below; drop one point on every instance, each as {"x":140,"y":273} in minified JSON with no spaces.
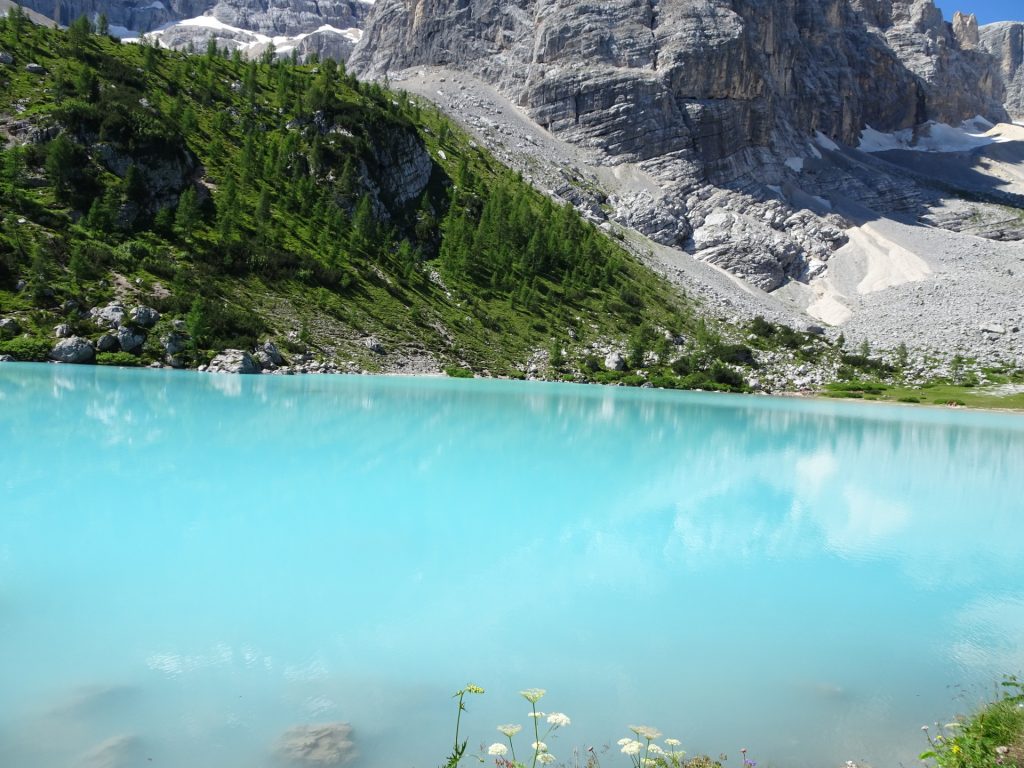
{"x":186,"y":218}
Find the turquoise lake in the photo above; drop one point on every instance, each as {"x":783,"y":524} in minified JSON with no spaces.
{"x":192,"y":564}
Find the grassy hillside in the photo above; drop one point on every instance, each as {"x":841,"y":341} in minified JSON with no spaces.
{"x":253,"y":200}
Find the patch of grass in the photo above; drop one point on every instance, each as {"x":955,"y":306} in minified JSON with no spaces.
{"x":992,"y":737}
{"x":932,"y":393}
{"x":456,"y":372}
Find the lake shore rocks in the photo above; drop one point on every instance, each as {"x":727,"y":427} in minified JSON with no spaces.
{"x":233,"y":361}
{"x":73,"y":350}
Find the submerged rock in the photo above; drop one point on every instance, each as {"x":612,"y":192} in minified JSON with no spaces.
{"x":73,"y":350}
{"x":6,"y":359}
{"x":233,"y":361}
{"x":323,"y":745}
{"x":115,"y":752}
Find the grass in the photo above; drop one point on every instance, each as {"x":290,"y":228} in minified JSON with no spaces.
{"x":936,"y":394}
{"x":993,"y":736}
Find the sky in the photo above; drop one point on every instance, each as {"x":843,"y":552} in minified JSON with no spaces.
{"x":987,"y":11}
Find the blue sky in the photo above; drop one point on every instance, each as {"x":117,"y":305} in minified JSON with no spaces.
{"x":987,"y":11}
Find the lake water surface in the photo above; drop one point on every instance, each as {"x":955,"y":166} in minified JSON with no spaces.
{"x":192,"y":564}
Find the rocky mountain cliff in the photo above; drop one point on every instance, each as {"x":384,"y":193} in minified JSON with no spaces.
{"x":1005,"y":41}
{"x":717,"y":102}
{"x":711,"y":84}
{"x":328,"y":28}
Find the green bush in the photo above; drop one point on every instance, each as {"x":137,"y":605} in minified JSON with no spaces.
{"x":117,"y":358}
{"x":456,"y":372}
{"x":27,"y":350}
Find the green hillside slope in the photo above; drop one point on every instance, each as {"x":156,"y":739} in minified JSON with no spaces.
{"x":350,"y":224}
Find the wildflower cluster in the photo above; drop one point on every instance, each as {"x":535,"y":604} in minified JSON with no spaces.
{"x":644,"y":752}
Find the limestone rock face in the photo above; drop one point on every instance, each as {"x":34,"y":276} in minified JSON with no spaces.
{"x":716,"y":101}
{"x":1005,"y":41}
{"x":965,"y":30}
{"x":705,"y":80}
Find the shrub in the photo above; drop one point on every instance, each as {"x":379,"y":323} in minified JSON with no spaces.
{"x":27,"y":350}
{"x":117,"y":358}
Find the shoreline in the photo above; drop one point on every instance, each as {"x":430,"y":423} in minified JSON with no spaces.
{"x":786,"y":394}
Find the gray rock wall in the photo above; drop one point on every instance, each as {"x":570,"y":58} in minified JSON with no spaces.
{"x":704,"y":81}
{"x":1005,"y":41}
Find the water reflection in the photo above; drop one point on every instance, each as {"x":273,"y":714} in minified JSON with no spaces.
{"x":252,"y":553}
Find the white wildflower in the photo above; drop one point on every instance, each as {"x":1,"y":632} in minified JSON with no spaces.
{"x":654,"y":749}
{"x":559,"y":719}
{"x":535,"y":714}
{"x":645,"y":731}
{"x":624,"y":742}
{"x":533,"y":695}
{"x":673,"y":742}
{"x":547,"y":757}
{"x":510,"y":730}
{"x":539,"y":746}
{"x":497,"y":749}
{"x":632,"y":747}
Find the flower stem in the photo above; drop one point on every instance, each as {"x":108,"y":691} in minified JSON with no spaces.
{"x":536,"y":735}
{"x":458,"y":719}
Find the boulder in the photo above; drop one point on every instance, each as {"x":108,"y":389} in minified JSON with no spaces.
{"x":615,"y":362}
{"x":6,"y":58}
{"x":272,"y":353}
{"x":6,"y":359}
{"x":130,"y":339}
{"x":174,"y":343}
{"x":9,"y":328}
{"x":63,"y":331}
{"x":73,"y":350}
{"x":329,"y":744}
{"x":35,"y":69}
{"x":143,"y":316}
{"x":233,"y":361}
{"x":373,"y":344}
{"x":107,"y":343}
{"x":110,"y":316}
